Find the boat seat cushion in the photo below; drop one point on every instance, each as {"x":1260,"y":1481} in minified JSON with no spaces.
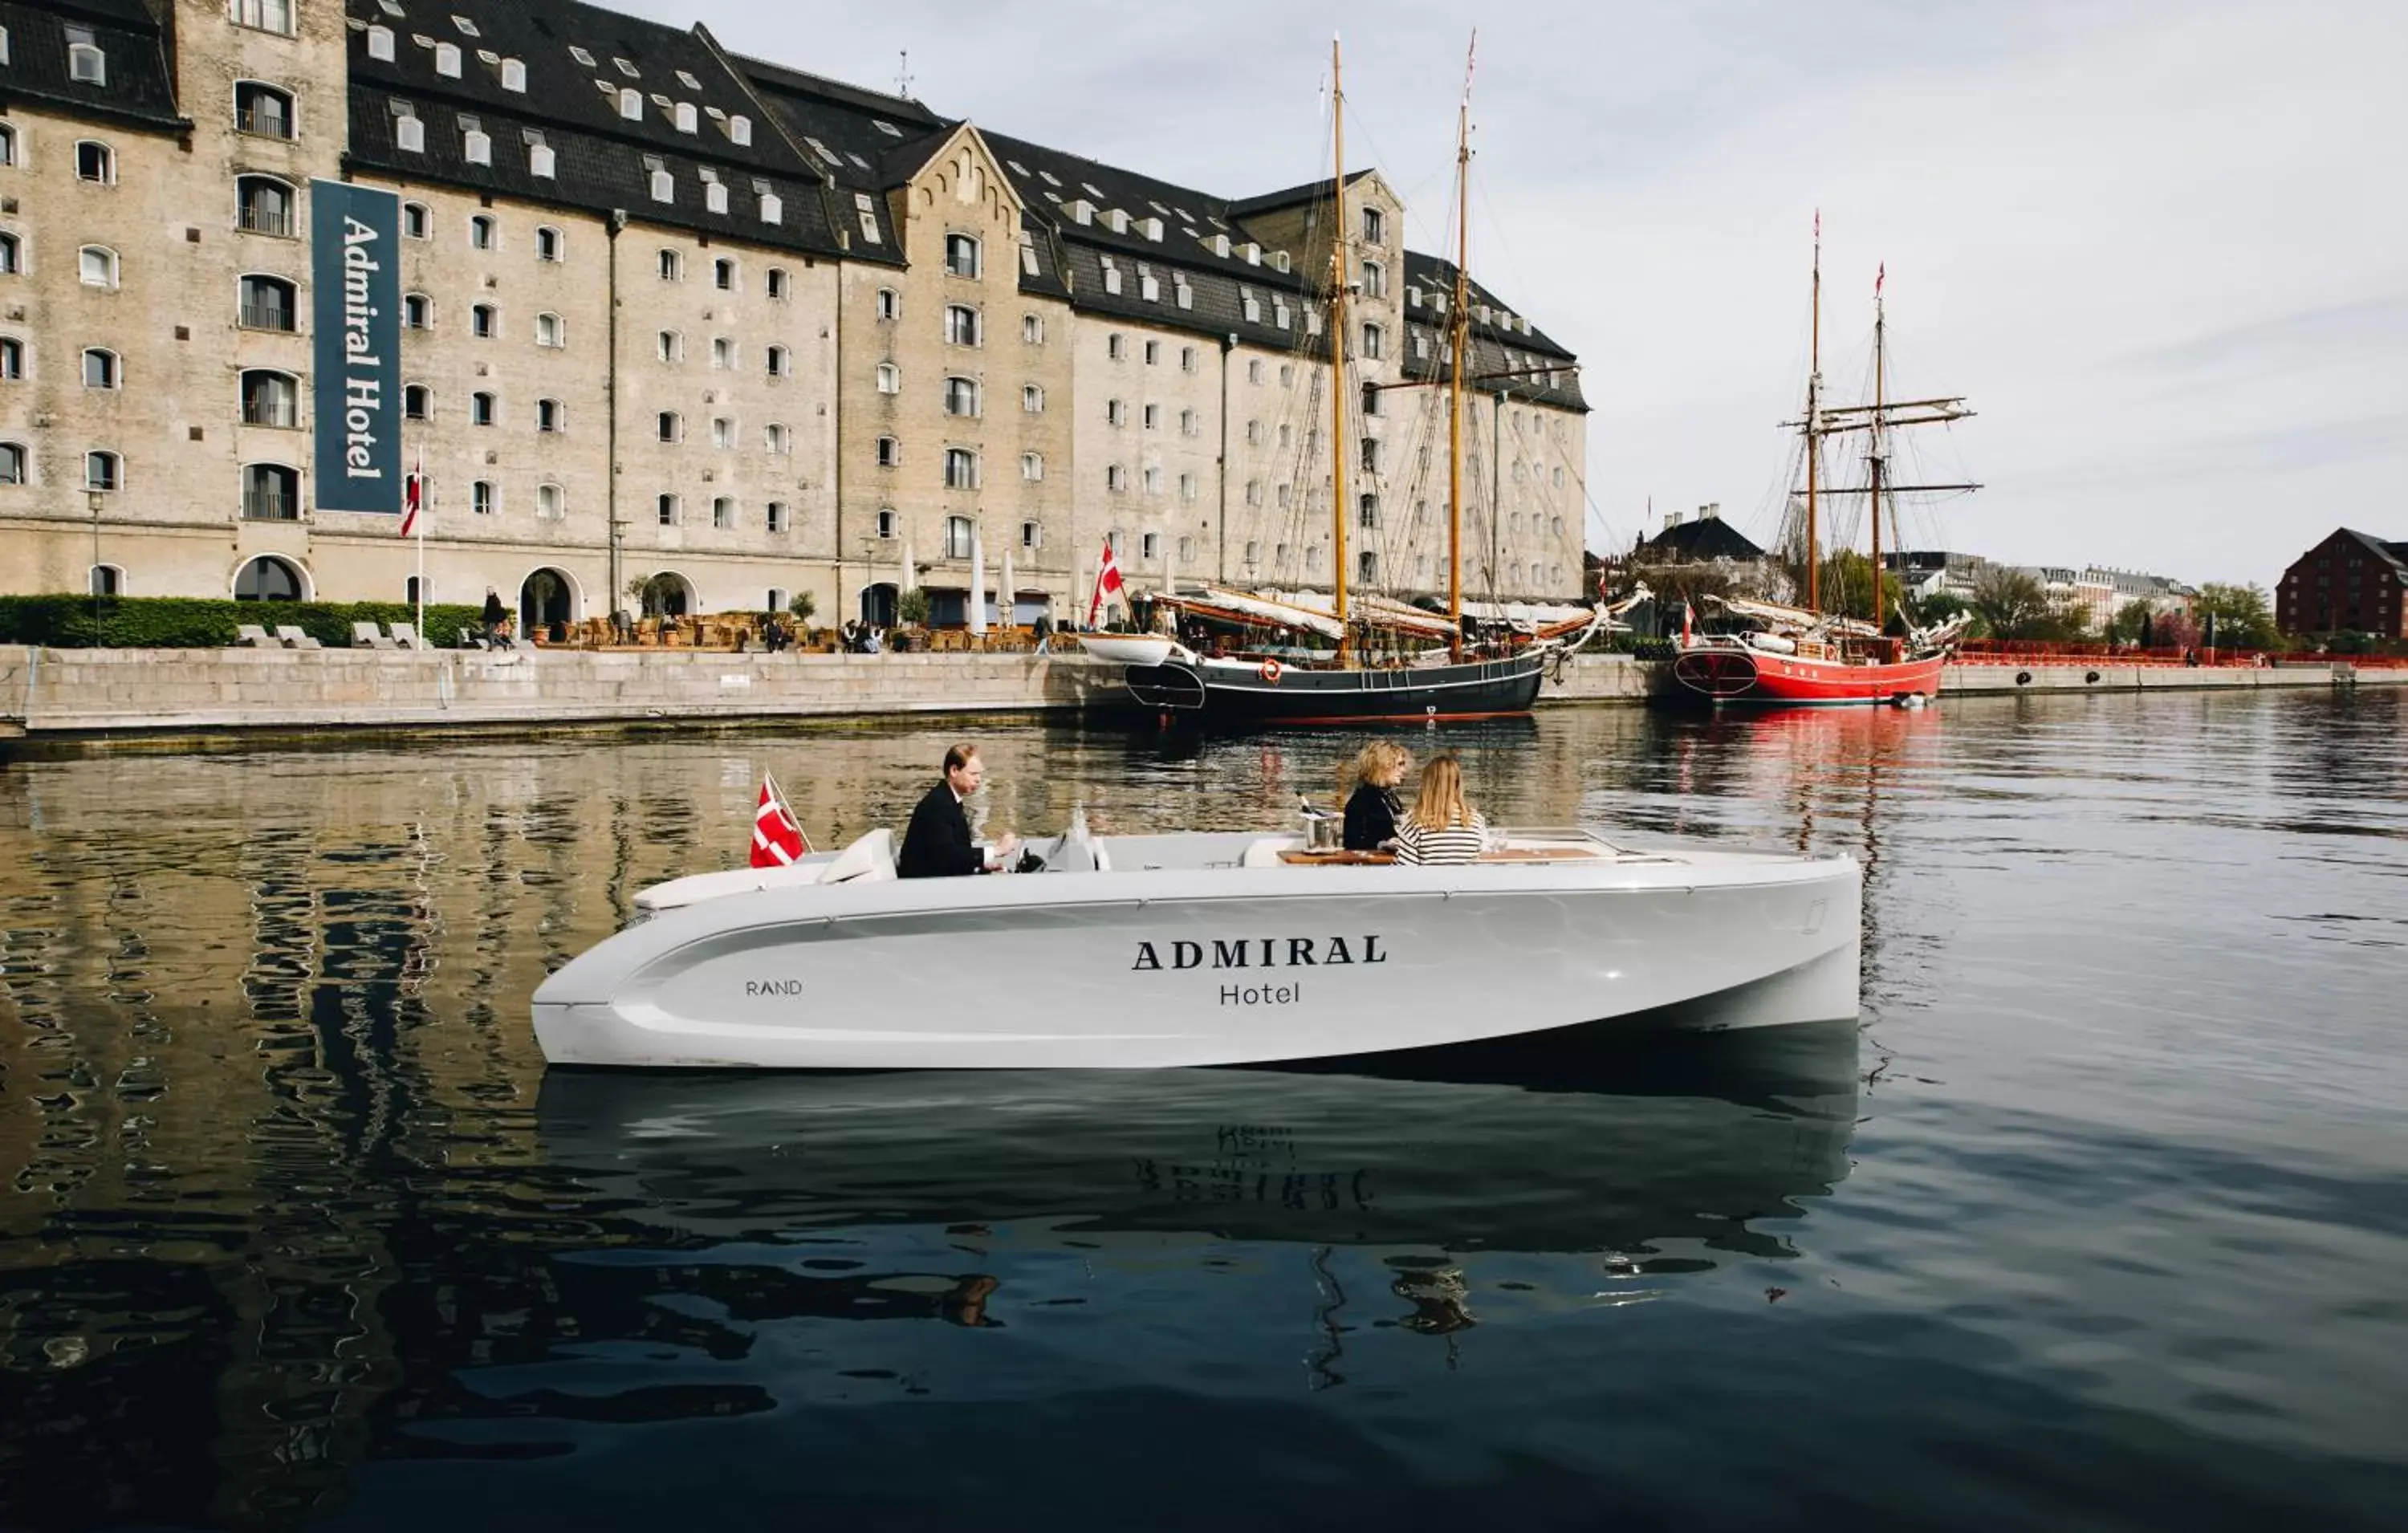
{"x":1266,"y":853}
{"x":870,"y":859}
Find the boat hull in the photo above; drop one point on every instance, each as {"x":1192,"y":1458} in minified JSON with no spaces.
{"x":1725,"y":675}
{"x":1237,"y":965}
{"x":1242,"y":694}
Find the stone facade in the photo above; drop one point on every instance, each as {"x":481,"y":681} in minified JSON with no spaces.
{"x":967,"y":331}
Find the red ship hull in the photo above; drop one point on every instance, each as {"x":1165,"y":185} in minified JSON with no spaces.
{"x":1724,"y":674}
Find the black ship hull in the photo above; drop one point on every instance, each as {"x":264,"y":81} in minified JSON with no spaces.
{"x":1268,"y":694}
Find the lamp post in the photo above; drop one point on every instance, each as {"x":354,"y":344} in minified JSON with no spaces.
{"x":91,"y":501}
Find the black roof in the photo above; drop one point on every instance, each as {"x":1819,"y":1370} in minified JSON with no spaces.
{"x":2396,"y":553}
{"x":138,"y":88}
{"x":1289,"y":196}
{"x":1706,"y":537}
{"x":859,"y":138}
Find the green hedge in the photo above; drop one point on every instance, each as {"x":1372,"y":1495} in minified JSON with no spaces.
{"x":200,"y":623}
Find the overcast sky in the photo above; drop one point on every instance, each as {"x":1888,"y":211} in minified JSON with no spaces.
{"x":2162,"y":249}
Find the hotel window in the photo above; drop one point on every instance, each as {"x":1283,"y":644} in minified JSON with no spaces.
{"x":961,"y":397}
{"x":417,"y":402}
{"x":416,"y":222}
{"x":12,"y":464}
{"x":261,"y":15}
{"x":960,"y":537}
{"x":103,"y":472}
{"x":776,"y":439}
{"x":1115,"y":347}
{"x":550,"y":244}
{"x":961,"y":468}
{"x":550,"y":417}
{"x":1253,"y":492}
{"x":777,"y":516}
{"x":1366,"y":567}
{"x":1153,"y":417}
{"x":670,"y":265}
{"x":96,"y":162}
{"x":889,"y":303}
{"x":12,"y":256}
{"x":551,"y":330}
{"x":722,"y":513}
{"x":1375,"y":342}
{"x":483,"y":497}
{"x":1115,"y":413}
{"x":1253,"y":434}
{"x":961,"y":325}
{"x":722,"y":275}
{"x":1153,"y":353}
{"x":886,"y":522}
{"x":781,"y":284}
{"x":1190,"y":423}
{"x":1149,"y":547}
{"x":777,"y":360}
{"x":665,"y":509}
{"x":265,"y":303}
{"x":1375,"y":226}
{"x":263,"y":206}
{"x":1032,"y":535}
{"x":1032,"y":467}
{"x":262,"y":110}
{"x":101,"y":369}
{"x":12,"y":359}
{"x":1032,"y":330}
{"x":271,"y":492}
{"x":1367,"y":513}
{"x":723,"y":352}
{"x":669,"y":345}
{"x":1032,"y":400}
{"x":1370,"y":454}
{"x":1115,"y":477}
{"x":484,"y":319}
{"x":668,"y":425}
{"x":1153,"y":480}
{"x":890,"y":378}
{"x":890,"y":453}
{"x":550,"y":503}
{"x":1375,"y":279}
{"x":7,"y":145}
{"x":722,"y":432}
{"x":962,"y":256}
{"x":1253,"y":370}
{"x":1187,"y":487}
{"x":482,"y":409}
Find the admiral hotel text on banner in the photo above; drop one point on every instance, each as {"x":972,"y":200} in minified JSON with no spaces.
{"x":355,"y":281}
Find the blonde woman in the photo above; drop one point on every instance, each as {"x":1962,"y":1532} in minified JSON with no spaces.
{"x":1440,"y":827}
{"x":1371,"y":810}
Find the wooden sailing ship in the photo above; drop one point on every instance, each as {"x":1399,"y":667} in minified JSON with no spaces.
{"x":1785,"y":655}
{"x":1474,"y":660}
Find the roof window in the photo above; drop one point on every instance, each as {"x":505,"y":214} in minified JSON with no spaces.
{"x":889,"y":129}
{"x":627,"y":70}
{"x":585,"y":58}
{"x":1016,"y":168}
{"x":1092,"y":190}
{"x":467,"y":28}
{"x":824,"y":153}
{"x":1049,"y":177}
{"x":391,"y":7}
{"x":685,"y":78}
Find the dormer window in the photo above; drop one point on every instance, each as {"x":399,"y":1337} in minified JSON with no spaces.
{"x":409,"y":133}
{"x":476,"y":147}
{"x":773,"y":208}
{"x":542,"y":162}
{"x":514,"y":74}
{"x":664,"y":186}
{"x":380,"y":42}
{"x":739,"y":130}
{"x":631,"y":104}
{"x":86,"y":63}
{"x":714,"y":197}
{"x":447,"y":60}
{"x":684,"y":116}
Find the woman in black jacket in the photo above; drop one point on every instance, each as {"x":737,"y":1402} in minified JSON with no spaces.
{"x":1372,"y":809}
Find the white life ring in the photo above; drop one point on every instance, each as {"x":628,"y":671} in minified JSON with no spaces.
{"x":1270,"y":671}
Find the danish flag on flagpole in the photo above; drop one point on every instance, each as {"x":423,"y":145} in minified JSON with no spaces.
{"x":777,"y":838}
{"x":414,"y":494}
{"x":1108,"y":582}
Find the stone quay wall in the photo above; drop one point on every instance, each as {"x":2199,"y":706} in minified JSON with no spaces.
{"x":47,"y":691}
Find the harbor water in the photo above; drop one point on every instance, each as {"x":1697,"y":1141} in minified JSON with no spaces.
{"x":2098,"y":1218}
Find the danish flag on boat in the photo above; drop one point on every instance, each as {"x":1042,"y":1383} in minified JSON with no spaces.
{"x":778,"y":838}
{"x":1108,"y":582}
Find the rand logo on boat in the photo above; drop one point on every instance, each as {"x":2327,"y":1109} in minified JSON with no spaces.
{"x":1260,"y":953}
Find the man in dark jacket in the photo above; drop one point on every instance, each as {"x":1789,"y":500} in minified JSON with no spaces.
{"x":938,"y":844}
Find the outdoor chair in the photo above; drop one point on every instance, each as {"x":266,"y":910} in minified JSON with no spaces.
{"x":470,"y":638}
{"x":365,"y":637}
{"x":405,"y":636}
{"x":250,"y":635}
{"x":293,"y":638}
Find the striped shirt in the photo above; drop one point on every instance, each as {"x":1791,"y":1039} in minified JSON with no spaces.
{"x":1418,"y":847}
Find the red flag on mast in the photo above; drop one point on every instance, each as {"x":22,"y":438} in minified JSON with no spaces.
{"x":413,"y":496}
{"x":778,"y":838}
{"x":1108,"y":582}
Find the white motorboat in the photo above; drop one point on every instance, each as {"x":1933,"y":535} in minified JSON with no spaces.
{"x":1140,"y":951}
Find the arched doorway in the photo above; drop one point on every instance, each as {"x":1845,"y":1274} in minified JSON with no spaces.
{"x":877,"y":605}
{"x":667,"y":594}
{"x":268,"y":578}
{"x":547,"y":604}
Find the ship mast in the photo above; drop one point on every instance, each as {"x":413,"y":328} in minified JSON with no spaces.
{"x":1879,"y":448}
{"x":1338,"y":345}
{"x":1459,"y":346}
{"x":1813,"y":428}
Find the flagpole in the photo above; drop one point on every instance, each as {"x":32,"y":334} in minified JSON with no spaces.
{"x":421,"y":520}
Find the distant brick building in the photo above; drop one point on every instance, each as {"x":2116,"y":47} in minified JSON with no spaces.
{"x":2351,"y":582}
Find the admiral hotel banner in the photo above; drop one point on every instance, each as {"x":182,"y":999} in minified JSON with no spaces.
{"x":355,"y":288}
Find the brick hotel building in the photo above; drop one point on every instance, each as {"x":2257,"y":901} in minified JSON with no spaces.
{"x":699,"y":325}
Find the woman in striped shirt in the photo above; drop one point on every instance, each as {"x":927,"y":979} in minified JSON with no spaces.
{"x":1440,"y":827}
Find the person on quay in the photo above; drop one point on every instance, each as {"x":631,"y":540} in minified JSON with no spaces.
{"x":1372,"y":809}
{"x":938,"y":844}
{"x":495,"y":615}
{"x":1440,"y":827}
